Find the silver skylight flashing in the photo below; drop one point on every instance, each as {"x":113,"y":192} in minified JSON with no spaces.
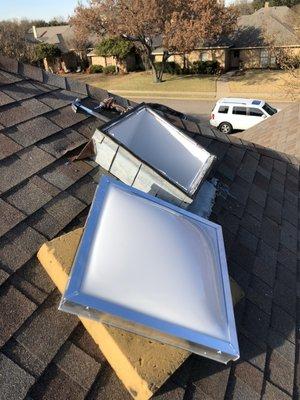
{"x":154,"y":269}
{"x":164,"y":147}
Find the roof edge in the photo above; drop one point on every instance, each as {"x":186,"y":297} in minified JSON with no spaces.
{"x":33,"y":72}
{"x":64,"y":82}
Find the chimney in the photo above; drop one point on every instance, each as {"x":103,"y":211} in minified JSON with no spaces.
{"x":266,"y":4}
{"x":34,"y":32}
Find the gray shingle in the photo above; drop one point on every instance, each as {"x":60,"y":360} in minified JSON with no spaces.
{"x":7,"y":146}
{"x":250,"y":375}
{"x":65,"y":117}
{"x":31,"y":71}
{"x":79,"y":366}
{"x":44,"y":185}
{"x":34,"y":273}
{"x":33,"y":130}
{"x":35,"y":107}
{"x":84,"y":189}
{"x":55,"y":80}
{"x":29,"y":198}
{"x":22,"y":357}
{"x":58,"y":145}
{"x":110,"y":387}
{"x":19,"y":245}
{"x":271,"y":392}
{"x":210,"y":377}
{"x":242,"y":391}
{"x":283,"y":323}
{"x":64,"y":208}
{"x":14,"y":381}
{"x":5,"y":99}
{"x":58,"y":99}
{"x":21,"y":90}
{"x":13,"y":171}
{"x":76,"y":86}
{"x":281,"y":372}
{"x":55,"y":384}
{"x":3,"y":276}
{"x":64,"y":175}
{"x":34,"y":158}
{"x":15,"y":308}
{"x":47,"y":330}
{"x":9,"y":217}
{"x":14,"y":114}
{"x":5,"y":77}
{"x":45,"y":224}
{"x":283,"y":346}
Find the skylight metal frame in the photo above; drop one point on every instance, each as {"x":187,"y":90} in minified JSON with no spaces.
{"x":78,"y":303}
{"x":199,"y":178}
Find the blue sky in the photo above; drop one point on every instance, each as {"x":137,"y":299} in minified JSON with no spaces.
{"x":36,"y":9}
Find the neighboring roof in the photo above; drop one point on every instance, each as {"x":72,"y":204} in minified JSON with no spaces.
{"x":278,"y":23}
{"x":281,"y":132}
{"x":62,"y":36}
{"x":46,"y":354}
{"x":221,"y":42}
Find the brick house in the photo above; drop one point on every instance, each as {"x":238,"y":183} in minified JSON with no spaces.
{"x":247,"y":46}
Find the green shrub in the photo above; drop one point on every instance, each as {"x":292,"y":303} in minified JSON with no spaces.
{"x":45,"y":50}
{"x":171,"y":67}
{"x":205,"y":67}
{"x":114,"y":47}
{"x":110,"y":69}
{"x":96,"y":69}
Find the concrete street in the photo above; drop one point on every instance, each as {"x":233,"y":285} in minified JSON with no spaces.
{"x":199,"y":109}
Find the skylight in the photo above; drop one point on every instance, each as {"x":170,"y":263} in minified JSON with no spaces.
{"x":162,"y":146}
{"x":154,"y":269}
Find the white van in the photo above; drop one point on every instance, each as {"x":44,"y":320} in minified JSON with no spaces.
{"x":233,"y":113}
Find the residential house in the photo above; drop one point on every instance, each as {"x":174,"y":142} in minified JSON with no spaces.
{"x":130,"y":63}
{"x":64,"y":38}
{"x":248,"y":45}
{"x":207,"y":51}
{"x":281,"y":25}
{"x":47,"y":354}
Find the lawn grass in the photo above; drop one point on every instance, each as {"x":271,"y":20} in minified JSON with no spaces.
{"x":260,"y":81}
{"x":142,"y":82}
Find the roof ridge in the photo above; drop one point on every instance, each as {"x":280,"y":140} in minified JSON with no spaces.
{"x":61,"y":81}
{"x":66,"y":83}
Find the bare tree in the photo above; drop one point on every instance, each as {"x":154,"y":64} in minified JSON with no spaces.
{"x":244,"y":7}
{"x":180,"y":24}
{"x":14,"y":42}
{"x":287,"y":60}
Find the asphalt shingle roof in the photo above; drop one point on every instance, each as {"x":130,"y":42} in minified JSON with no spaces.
{"x":275,"y":23}
{"x":281,"y":132}
{"x":46,"y":354}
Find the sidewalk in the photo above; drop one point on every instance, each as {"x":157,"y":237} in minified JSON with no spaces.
{"x":222,"y":91}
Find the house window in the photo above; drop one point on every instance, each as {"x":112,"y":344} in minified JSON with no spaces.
{"x":236,"y":54}
{"x":255,"y":112}
{"x":273,"y":61}
{"x":204,"y":56}
{"x":223,"y":109}
{"x":239,"y":110}
{"x":264,"y":58}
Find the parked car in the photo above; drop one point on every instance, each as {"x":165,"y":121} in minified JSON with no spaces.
{"x":239,"y":114}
